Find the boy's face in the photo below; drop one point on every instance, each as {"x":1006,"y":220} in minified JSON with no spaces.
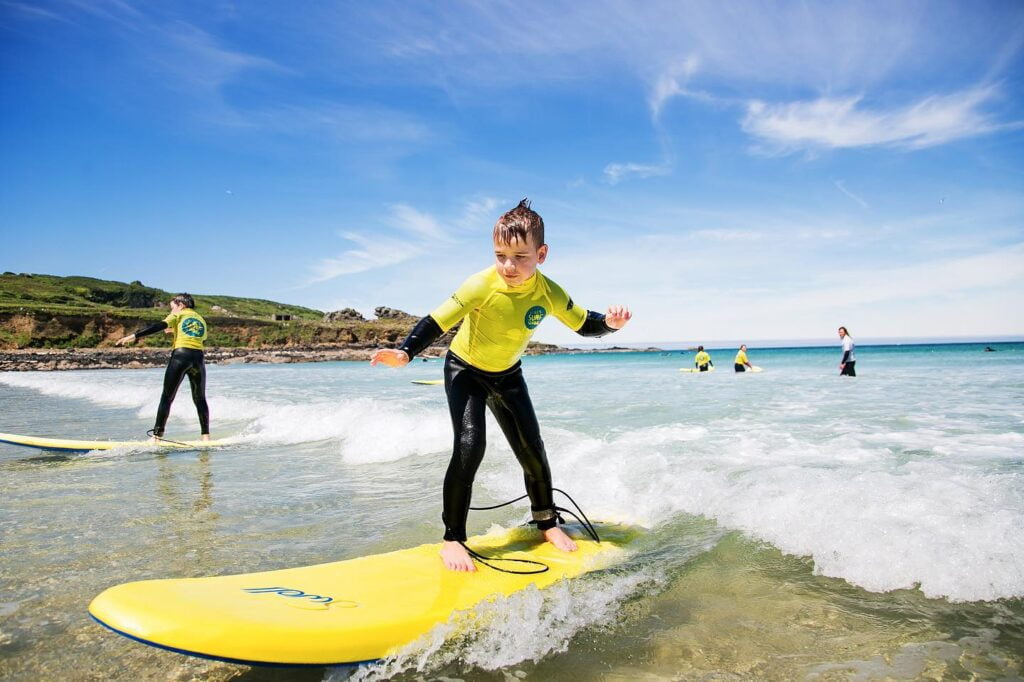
{"x":518,"y":260}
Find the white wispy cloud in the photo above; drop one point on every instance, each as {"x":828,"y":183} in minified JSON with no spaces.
{"x":478,"y":213}
{"x":403,"y":233}
{"x":728,"y":235}
{"x":371,"y":252}
{"x":844,"y":123}
{"x":672,"y":83}
{"x":417,"y":223}
{"x":28,"y":11}
{"x":841,"y":186}
{"x":196,"y":57}
{"x":616,"y":172}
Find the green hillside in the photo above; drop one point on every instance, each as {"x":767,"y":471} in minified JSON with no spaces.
{"x":25,"y":293}
{"x":45,"y":311}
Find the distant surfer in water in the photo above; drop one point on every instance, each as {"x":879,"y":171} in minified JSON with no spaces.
{"x":190,"y":331}
{"x":702,"y":361}
{"x":500,"y":308}
{"x":741,"y":363}
{"x":849,"y":361}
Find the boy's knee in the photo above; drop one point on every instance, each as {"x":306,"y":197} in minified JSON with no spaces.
{"x":471,"y":442}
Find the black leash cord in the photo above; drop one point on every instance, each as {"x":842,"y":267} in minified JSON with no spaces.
{"x":486,"y":559}
{"x":166,"y":440}
{"x":585,"y":522}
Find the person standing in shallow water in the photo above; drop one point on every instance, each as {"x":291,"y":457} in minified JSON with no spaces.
{"x":742,"y":363}
{"x":500,"y":307}
{"x":190,"y":332}
{"x":702,"y":361}
{"x":848,"y":362}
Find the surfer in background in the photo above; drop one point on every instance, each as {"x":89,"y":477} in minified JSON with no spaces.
{"x":741,"y":362}
{"x":500,"y":308}
{"x":190,"y":331}
{"x":702,"y":361}
{"x":847,"y":364}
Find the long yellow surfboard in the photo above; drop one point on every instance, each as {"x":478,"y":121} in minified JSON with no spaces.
{"x":68,"y":445}
{"x":345,"y":612}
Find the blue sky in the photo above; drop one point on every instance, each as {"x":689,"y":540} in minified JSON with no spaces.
{"x":747,"y":170}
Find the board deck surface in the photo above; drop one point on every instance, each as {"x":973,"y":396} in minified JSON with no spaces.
{"x":70,"y":445}
{"x":344,"y":612}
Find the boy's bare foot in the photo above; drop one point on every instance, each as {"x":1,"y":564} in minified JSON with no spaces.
{"x":455,"y":557}
{"x":205,"y":437}
{"x":557,"y":537}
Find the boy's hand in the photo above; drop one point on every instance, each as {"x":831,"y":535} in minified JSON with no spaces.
{"x":390,"y":357}
{"x":617,"y":316}
{"x":125,"y":339}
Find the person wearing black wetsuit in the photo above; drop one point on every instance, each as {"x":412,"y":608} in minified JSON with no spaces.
{"x":190,"y":332}
{"x":500,"y":308}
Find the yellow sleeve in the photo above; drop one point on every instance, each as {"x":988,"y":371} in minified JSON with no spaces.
{"x":562,"y":307}
{"x":471,"y":294}
{"x":171,"y":320}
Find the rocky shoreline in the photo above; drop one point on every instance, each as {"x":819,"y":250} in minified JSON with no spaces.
{"x":52,"y":359}
{"x":35,"y":359}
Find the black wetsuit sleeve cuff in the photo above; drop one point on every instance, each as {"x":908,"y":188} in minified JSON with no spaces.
{"x":151,"y":329}
{"x":594,"y":325}
{"x":425,"y":333}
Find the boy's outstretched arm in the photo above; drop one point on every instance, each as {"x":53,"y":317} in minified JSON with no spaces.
{"x":597,"y":324}
{"x":426,"y":332}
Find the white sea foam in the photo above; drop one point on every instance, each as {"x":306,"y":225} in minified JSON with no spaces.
{"x":367,"y":430}
{"x":888,"y":483}
{"x":938,"y":523}
{"x":95,"y":387}
{"x":525,"y":626}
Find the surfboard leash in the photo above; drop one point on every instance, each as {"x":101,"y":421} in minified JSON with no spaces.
{"x":166,"y":440}
{"x":486,"y":559}
{"x":584,"y":521}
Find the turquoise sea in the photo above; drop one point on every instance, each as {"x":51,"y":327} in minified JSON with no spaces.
{"x":797,"y":525}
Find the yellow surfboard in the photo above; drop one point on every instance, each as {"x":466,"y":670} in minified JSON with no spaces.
{"x":694,"y":370}
{"x":67,"y":445}
{"x":338,"y":613}
{"x":428,"y":382}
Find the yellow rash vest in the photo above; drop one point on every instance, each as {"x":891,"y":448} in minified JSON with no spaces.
{"x":500,"y":319}
{"x":189,"y":329}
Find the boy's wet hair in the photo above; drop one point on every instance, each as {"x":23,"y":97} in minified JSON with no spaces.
{"x":185,"y":300}
{"x":519,"y":224}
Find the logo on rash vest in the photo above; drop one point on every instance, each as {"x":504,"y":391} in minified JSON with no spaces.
{"x":193,"y":326}
{"x":534,"y":316}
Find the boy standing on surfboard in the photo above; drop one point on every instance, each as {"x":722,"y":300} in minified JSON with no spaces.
{"x":501,"y":307}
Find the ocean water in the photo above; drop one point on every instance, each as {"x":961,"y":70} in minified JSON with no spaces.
{"x":795,"y":524}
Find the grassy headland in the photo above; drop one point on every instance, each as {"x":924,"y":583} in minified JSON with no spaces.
{"x":47,"y":311}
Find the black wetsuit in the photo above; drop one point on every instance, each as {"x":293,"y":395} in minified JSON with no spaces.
{"x":469,"y":390}
{"x":184,"y":362}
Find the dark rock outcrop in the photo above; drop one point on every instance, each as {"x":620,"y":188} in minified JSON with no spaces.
{"x":345,"y":314}
{"x":385,"y":313}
